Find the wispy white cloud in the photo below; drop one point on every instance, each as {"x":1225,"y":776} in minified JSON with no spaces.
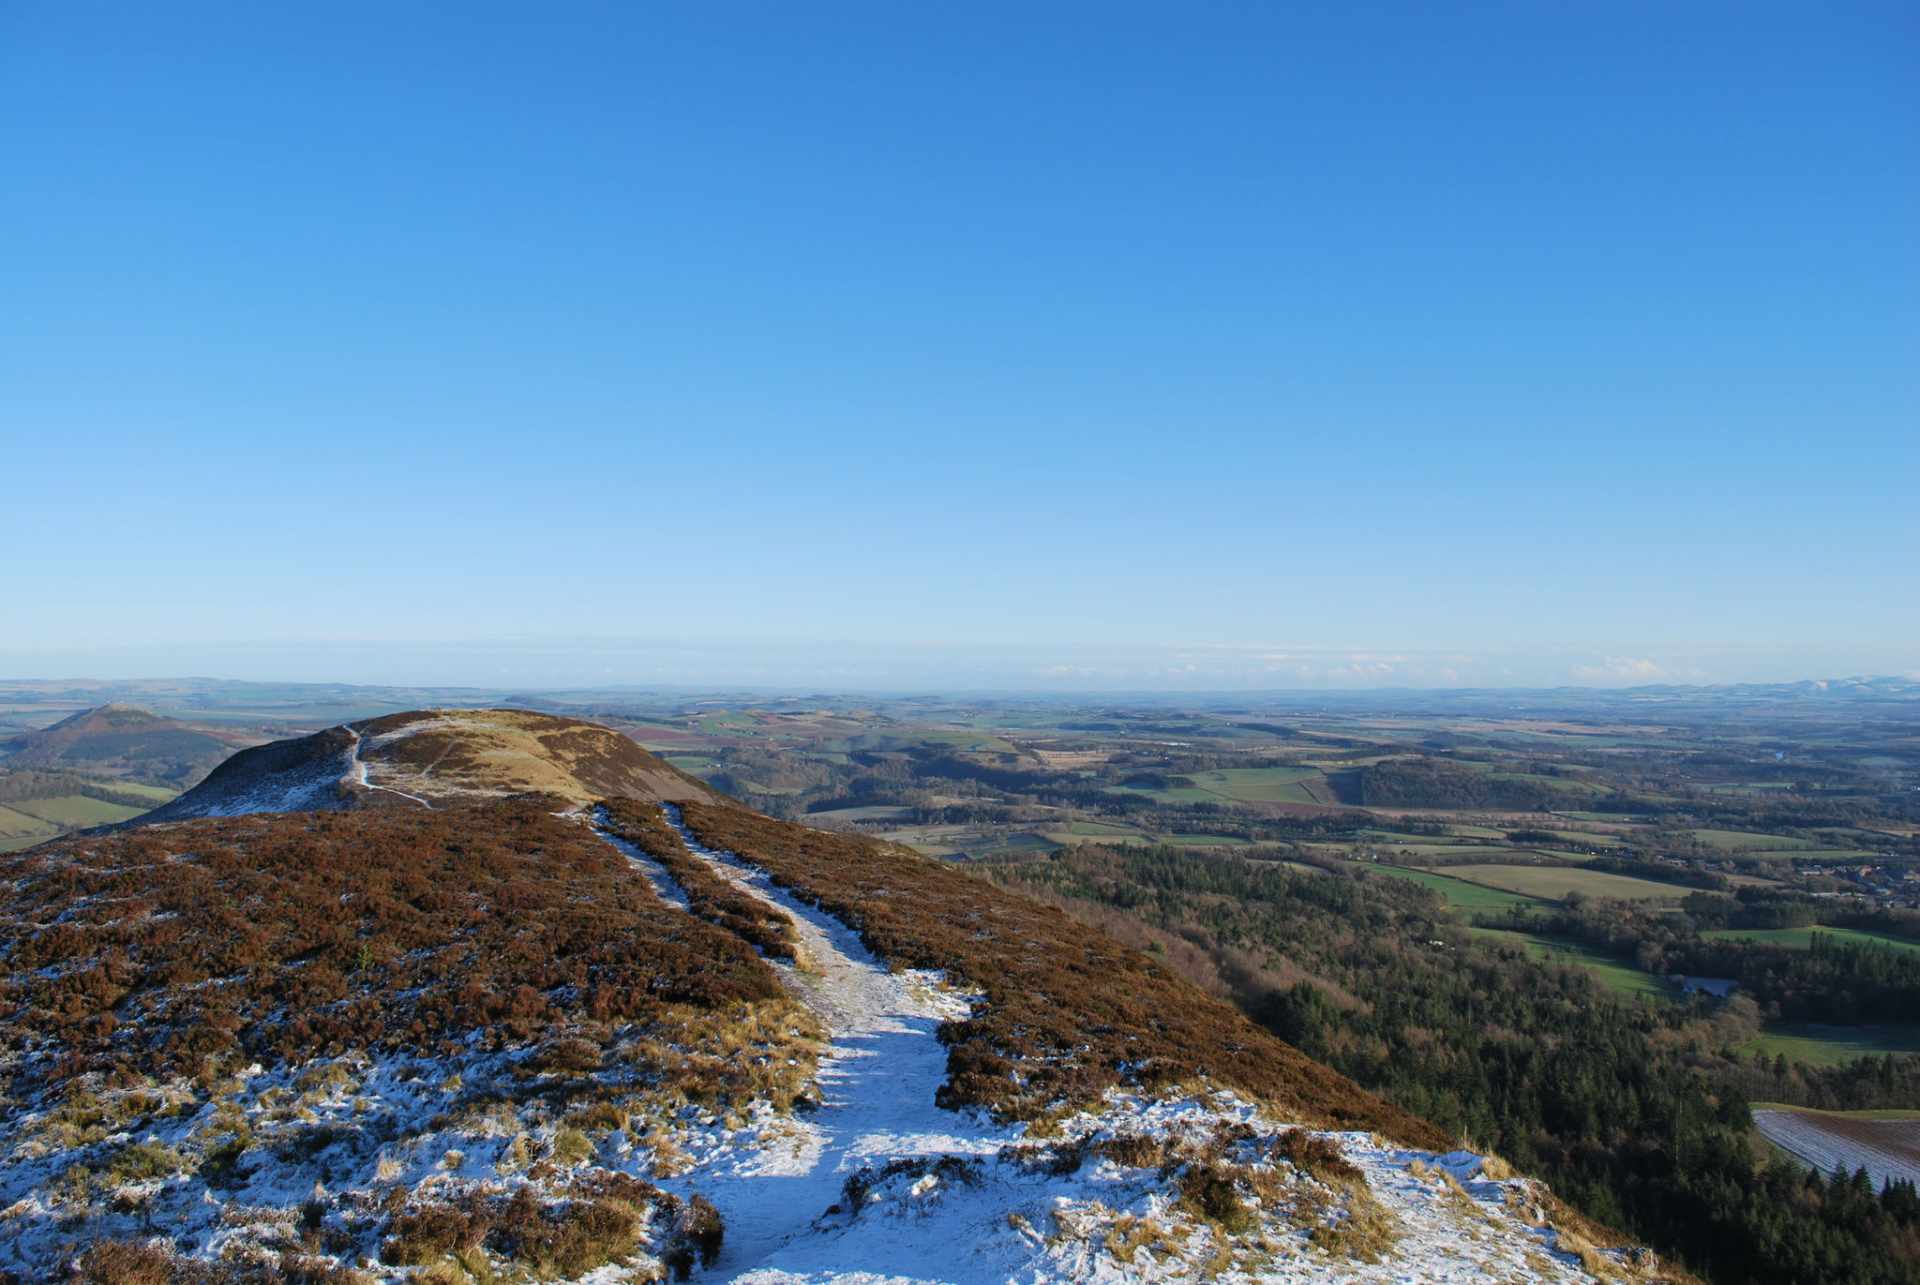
{"x":1619,"y":669}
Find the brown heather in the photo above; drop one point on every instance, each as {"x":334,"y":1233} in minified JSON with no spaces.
{"x":1068,"y":1013}
{"x":176,"y":949}
{"x":709,"y":895}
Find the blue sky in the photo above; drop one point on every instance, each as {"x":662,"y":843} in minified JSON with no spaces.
{"x":1042,"y":344}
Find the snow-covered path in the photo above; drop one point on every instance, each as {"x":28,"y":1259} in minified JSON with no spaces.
{"x":358,"y":767}
{"x":775,"y":1182}
{"x":878,"y":1081}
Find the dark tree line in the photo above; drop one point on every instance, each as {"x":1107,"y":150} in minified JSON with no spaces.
{"x":1627,"y":1111}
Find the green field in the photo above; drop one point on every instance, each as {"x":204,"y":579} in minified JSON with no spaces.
{"x":74,"y":810}
{"x":1098,"y":832}
{"x":1838,"y":856}
{"x":1616,"y":974}
{"x":1204,"y":840}
{"x":1803,"y":937}
{"x":16,"y":825}
{"x":875,"y":812}
{"x":1821,"y":1045}
{"x":1465,"y":852}
{"x":159,"y":794}
{"x":1242,"y":785}
{"x":1589,"y":838}
{"x":1463,"y":896}
{"x":1553,"y":883}
{"x":1748,"y":841}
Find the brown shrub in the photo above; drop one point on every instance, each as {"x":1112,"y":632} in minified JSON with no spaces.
{"x":709,"y":895}
{"x":1321,"y":1157}
{"x":402,"y":929}
{"x":126,"y":1262}
{"x":602,"y":1220}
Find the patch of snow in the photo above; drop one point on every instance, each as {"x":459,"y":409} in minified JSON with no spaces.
{"x":359,"y":767}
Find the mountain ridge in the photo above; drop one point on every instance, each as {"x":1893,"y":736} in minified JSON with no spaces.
{"x":434,"y":756}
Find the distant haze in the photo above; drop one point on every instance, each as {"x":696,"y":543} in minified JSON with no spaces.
{"x":850,"y":667}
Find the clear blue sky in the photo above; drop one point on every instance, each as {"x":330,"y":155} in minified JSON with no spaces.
{"x":1370,"y":344}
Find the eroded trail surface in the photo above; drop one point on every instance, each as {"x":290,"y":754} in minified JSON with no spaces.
{"x":942,"y":1215}
{"x":878,"y":1080}
{"x":357,"y":767}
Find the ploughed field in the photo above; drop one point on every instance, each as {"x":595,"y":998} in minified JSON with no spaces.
{"x":1885,"y":1143}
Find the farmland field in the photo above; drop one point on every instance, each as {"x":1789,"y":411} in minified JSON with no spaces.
{"x":1463,"y":896}
{"x":1615,"y":973}
{"x":1591,"y":838}
{"x":1244,"y":785}
{"x":1098,"y":832}
{"x":1838,"y":856}
{"x":1748,"y":841}
{"x":872,"y":812}
{"x":159,"y":794}
{"x":1822,"y":1045}
{"x":76,"y":810}
{"x":1553,"y":883}
{"x":1885,"y":1143}
{"x":14,"y":825}
{"x":1803,"y":937}
{"x":1457,"y":851}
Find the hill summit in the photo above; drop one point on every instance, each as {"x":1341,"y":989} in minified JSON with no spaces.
{"x":431,"y":758}
{"x":120,"y":740}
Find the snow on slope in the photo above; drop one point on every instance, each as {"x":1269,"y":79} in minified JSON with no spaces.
{"x":309,"y":774}
{"x":875,"y":1184}
{"x":880,"y":1184}
{"x":359,"y":769}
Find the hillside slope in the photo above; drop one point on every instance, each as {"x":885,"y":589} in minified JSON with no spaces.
{"x":434,"y":757}
{"x":632,"y":1039}
{"x":120,"y":740}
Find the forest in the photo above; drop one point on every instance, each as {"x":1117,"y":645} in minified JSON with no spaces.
{"x":1637,"y":1116}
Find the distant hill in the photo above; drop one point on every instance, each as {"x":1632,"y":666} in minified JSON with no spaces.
{"x":436,"y":757}
{"x":120,"y":740}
